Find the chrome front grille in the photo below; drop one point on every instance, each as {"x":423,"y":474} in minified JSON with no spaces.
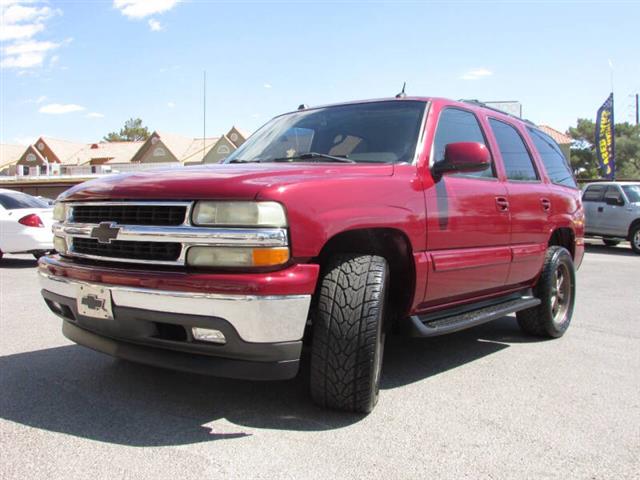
{"x":120,"y":232}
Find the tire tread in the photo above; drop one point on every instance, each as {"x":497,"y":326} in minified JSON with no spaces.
{"x":345,"y":336}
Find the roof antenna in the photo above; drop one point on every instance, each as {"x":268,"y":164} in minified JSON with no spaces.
{"x":303,"y":106}
{"x":402,"y":94}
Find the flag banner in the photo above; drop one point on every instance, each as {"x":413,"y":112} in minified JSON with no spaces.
{"x":605,"y":139}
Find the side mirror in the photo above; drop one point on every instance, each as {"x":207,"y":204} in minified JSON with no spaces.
{"x":463,"y":157}
{"x":618,"y":202}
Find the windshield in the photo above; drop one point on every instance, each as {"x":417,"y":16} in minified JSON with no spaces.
{"x":632,"y":192}
{"x":13,"y":200}
{"x":377,"y":132}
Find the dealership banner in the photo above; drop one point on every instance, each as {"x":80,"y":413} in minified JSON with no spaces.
{"x":605,"y":139}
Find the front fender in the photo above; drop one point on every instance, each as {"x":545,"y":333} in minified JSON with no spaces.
{"x":319,"y":210}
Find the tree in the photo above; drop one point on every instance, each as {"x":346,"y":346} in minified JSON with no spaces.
{"x":583,"y":155}
{"x":133,"y":131}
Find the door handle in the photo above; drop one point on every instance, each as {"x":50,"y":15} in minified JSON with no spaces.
{"x":600,"y":209}
{"x":502,"y":204}
{"x":546,"y":204}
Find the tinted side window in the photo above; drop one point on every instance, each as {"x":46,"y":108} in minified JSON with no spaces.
{"x":614,"y":193}
{"x":593,"y":193}
{"x":517,"y":161}
{"x":554,"y":160}
{"x":454,"y":126}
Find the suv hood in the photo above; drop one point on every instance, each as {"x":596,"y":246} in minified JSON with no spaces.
{"x":228,"y":181}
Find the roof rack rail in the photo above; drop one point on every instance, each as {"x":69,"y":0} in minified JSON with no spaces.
{"x":484,"y":105}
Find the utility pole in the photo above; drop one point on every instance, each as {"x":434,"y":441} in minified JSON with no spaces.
{"x":204,"y":114}
{"x":637,"y":119}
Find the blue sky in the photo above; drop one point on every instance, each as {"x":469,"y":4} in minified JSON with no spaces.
{"x":79,"y":69}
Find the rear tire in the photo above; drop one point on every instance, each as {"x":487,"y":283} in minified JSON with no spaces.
{"x":610,"y":243}
{"x":556,"y":290}
{"x":634,"y":238}
{"x":348,"y":335}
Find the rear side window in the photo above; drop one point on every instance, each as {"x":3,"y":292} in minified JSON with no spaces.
{"x":515,"y":156}
{"x":553,"y":159}
{"x":593,"y":193}
{"x":454,"y":126}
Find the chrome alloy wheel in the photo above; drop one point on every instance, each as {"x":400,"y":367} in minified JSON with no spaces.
{"x":561,"y":293}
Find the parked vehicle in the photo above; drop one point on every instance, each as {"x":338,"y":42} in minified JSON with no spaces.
{"x":25,"y":224}
{"x":612,"y":212}
{"x":329,"y":227}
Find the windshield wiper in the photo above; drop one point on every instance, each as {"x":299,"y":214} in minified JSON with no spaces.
{"x":311,"y":156}
{"x":240,"y":160}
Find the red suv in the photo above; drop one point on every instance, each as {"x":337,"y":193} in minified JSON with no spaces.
{"x":329,"y":228}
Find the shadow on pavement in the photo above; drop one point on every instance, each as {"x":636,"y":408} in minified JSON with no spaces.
{"x":8,"y":262}
{"x":78,"y":392}
{"x":622,"y":250}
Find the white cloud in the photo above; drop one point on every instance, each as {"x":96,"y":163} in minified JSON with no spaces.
{"x":476,"y":74}
{"x":26,"y":54}
{"x":17,"y":32}
{"x":18,"y":13}
{"x":20,"y":22}
{"x":143,"y":8}
{"x":155,"y":25}
{"x":267,"y":85}
{"x":171,"y":104}
{"x":30,"y":47}
{"x":59,"y":108}
{"x":95,"y":115}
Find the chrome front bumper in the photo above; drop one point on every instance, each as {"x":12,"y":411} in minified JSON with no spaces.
{"x":257,"y":319}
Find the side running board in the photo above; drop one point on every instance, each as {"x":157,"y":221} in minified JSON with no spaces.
{"x":423,"y":326}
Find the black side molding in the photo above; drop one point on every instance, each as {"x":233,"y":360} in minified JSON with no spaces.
{"x":423,"y":326}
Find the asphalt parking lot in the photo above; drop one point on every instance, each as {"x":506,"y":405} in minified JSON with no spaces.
{"x":485,"y":403}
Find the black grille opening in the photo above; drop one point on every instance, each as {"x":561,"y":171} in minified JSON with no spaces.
{"x":169,"y":331}
{"x":158,"y":251}
{"x":131,"y":214}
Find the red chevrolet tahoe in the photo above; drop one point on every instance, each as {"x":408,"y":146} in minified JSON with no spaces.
{"x":328,"y":229}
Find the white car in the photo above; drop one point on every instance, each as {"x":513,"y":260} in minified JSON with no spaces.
{"x":25,"y":224}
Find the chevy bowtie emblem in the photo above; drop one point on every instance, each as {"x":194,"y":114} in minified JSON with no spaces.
{"x":105,"y":232}
{"x":93,"y":302}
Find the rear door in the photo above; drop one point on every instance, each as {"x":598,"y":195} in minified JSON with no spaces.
{"x":468,"y":220}
{"x":529,"y":202}
{"x":593,"y":200}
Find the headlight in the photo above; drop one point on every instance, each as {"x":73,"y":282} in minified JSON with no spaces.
{"x":60,"y":212}
{"x":237,"y":256}
{"x":262,"y":214}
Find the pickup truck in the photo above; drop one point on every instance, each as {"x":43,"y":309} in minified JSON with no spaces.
{"x":612,"y":212}
{"x":327,"y":230}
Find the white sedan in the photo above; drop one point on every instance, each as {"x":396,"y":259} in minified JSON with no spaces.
{"x":25,"y":224}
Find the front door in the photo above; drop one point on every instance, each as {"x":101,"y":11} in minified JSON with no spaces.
{"x":468,"y":225}
{"x":616,"y":217}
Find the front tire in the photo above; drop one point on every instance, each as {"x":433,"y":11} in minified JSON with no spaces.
{"x":634,"y":238}
{"x":348,"y":334}
{"x":556,"y":290}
